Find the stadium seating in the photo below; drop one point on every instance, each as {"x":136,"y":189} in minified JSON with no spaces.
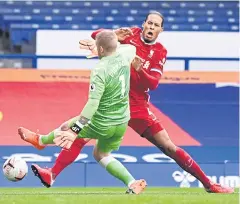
{"x":23,"y":18}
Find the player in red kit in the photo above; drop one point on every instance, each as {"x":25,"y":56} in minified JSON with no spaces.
{"x":143,"y":78}
{"x":146,"y":78}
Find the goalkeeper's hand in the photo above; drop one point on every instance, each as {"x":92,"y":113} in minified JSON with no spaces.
{"x":89,"y":45}
{"x":64,"y":139}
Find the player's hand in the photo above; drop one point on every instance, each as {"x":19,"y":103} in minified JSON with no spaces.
{"x":137,"y":63}
{"x":123,"y":33}
{"x":89,"y":45}
{"x":64,"y":126}
{"x":63,"y":144}
{"x":64,"y":139}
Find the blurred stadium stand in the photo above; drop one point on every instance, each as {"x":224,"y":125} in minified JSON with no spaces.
{"x":20,"y":20}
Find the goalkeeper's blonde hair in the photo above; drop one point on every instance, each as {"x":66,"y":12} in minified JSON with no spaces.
{"x":107,"y":40}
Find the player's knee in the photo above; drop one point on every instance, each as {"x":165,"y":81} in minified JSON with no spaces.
{"x":169,"y":149}
{"x":98,"y":155}
{"x":167,"y":144}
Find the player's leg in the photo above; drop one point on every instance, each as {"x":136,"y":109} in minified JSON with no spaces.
{"x":64,"y":159}
{"x":102,"y":154}
{"x":40,"y":141}
{"x":48,"y":139}
{"x":158,"y":136}
{"x":30,"y":137}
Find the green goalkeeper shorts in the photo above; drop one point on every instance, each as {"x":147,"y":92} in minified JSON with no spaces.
{"x":108,"y":138}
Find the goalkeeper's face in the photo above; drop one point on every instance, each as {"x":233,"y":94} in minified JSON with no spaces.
{"x":152,"y":27}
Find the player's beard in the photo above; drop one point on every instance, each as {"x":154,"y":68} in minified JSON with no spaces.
{"x":148,"y":41}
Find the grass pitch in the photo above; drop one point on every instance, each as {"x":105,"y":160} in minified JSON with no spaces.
{"x":112,"y":196}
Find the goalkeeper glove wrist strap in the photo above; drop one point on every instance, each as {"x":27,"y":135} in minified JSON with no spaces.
{"x":77,"y":127}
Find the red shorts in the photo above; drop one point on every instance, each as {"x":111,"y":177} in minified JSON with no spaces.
{"x":146,"y":127}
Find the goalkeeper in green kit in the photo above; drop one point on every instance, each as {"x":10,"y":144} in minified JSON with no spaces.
{"x":106,"y":114}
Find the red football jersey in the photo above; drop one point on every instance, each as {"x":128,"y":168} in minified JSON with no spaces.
{"x":154,"y":56}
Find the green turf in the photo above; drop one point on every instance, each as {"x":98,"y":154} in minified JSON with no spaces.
{"x":112,"y":196}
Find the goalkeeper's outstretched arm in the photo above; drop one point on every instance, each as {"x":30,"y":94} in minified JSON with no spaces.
{"x":96,"y":89}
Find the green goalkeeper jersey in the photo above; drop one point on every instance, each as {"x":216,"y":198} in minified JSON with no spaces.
{"x":109,"y":88}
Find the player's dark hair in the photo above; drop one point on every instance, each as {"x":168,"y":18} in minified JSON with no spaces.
{"x":156,"y":13}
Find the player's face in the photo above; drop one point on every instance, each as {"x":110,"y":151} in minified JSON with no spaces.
{"x":152,"y":27}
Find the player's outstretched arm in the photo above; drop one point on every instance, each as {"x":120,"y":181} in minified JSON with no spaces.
{"x":148,"y":80}
{"x":137,"y":63}
{"x":94,"y":34}
{"x":65,"y":139}
{"x":89,"y":45}
{"x":122,"y":33}
{"x":150,"y":76}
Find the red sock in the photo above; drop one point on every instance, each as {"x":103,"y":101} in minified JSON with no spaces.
{"x":185,"y":161}
{"x":67,"y":157}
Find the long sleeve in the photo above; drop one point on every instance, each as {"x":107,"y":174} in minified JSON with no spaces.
{"x":96,"y":89}
{"x":151,"y":80}
{"x":94,"y":34}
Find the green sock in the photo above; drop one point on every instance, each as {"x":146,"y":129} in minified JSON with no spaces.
{"x":116,"y":169}
{"x":47,"y":139}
